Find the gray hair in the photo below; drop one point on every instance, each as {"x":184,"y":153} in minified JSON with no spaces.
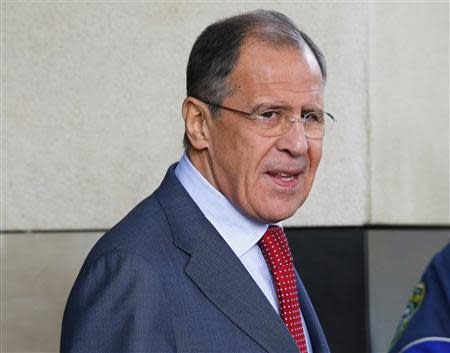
{"x":216,"y":52}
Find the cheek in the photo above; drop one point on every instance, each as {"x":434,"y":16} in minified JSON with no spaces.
{"x":231,"y":152}
{"x":315,"y":154}
{"x":222,"y":140}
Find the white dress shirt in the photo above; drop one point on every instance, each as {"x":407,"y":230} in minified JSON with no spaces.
{"x":240,"y":232}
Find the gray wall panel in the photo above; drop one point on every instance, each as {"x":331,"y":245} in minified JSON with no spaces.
{"x":38,"y":271}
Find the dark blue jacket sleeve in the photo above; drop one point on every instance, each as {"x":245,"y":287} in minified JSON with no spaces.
{"x":427,"y":316}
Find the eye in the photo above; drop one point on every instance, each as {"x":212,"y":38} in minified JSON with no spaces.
{"x":313,"y":117}
{"x":270,"y":115}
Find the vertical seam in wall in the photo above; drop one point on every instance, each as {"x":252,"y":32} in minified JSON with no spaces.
{"x":1,"y":175}
{"x":369,"y":135}
{"x":369,"y":205}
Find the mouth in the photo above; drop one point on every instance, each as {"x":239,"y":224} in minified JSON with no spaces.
{"x":285,"y":179}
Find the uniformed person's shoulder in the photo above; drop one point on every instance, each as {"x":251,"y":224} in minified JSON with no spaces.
{"x":428,"y":345}
{"x":425,"y":323}
{"x":442,"y":258}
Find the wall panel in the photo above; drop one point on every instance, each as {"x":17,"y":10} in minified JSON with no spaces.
{"x":92,"y":99}
{"x":38,"y":271}
{"x":409,"y":113}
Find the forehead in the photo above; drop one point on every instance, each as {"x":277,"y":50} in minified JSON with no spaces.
{"x":263,"y":69}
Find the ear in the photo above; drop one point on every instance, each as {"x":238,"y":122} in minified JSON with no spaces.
{"x":195,"y":115}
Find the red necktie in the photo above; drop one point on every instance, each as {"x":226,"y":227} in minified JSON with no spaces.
{"x":275,"y":249}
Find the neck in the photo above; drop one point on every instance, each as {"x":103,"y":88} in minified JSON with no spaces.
{"x":201,"y":161}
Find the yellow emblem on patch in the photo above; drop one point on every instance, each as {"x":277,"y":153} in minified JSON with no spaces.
{"x":413,"y":305}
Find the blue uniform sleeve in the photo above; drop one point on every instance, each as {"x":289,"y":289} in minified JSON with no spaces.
{"x":425,"y":324}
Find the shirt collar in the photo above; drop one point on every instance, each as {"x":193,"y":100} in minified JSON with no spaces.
{"x":239,"y":231}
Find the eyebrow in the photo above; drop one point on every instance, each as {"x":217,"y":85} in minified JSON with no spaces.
{"x":264,"y":106}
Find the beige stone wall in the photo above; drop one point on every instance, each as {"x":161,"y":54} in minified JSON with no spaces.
{"x":91,"y":96}
{"x":409,"y":113}
{"x":92,"y":107}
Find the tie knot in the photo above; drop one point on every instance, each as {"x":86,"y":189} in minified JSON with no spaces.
{"x":275,"y":247}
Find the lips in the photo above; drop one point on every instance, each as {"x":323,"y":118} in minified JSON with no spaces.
{"x":284,"y":178}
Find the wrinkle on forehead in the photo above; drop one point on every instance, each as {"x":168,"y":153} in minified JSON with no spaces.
{"x":302,"y":87}
{"x":280,"y":85}
{"x":270,"y":90}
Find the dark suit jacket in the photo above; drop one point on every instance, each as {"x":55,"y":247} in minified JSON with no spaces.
{"x":164,"y":280}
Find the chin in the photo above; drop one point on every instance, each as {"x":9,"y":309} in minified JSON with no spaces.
{"x":276,"y":207}
{"x":278,"y":215}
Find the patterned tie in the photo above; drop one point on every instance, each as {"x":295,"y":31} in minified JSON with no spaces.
{"x":275,"y":249}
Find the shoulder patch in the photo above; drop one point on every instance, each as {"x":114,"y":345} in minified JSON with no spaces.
{"x":413,"y":305}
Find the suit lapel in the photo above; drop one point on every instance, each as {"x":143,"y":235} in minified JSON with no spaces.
{"x":226,"y":282}
{"x":318,"y":340}
{"x":218,"y":272}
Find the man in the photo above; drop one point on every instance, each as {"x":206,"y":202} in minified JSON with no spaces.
{"x":202,"y":265}
{"x":425,"y":325}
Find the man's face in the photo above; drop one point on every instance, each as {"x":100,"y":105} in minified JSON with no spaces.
{"x":267,"y":178}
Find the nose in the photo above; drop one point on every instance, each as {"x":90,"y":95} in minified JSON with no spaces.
{"x":294,"y":141}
